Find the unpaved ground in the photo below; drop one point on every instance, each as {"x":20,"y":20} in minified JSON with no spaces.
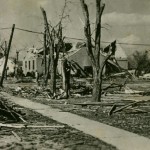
{"x":46,"y":138}
{"x":134,"y":122}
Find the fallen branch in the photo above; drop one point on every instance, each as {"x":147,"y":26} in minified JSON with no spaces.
{"x":77,"y":143}
{"x":17,"y":137}
{"x":8,"y":111}
{"x":137,"y":110}
{"x":112,"y":109}
{"x":124,"y":107}
{"x":99,"y":103}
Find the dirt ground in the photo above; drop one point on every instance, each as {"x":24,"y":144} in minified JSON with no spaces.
{"x":129,"y":120}
{"x":132,"y":121}
{"x":65,"y":138}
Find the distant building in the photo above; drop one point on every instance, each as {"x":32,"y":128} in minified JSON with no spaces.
{"x":10,"y":66}
{"x":121,"y":57}
{"x":33,"y":61}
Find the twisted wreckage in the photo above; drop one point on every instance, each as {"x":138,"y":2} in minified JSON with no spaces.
{"x":81,"y":67}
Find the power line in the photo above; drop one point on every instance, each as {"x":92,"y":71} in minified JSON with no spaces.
{"x":29,"y":31}
{"x":140,"y":44}
{"x":26,"y":30}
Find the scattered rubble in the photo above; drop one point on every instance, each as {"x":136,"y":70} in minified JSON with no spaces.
{"x":44,"y":133}
{"x":119,"y":100}
{"x":9,"y":112}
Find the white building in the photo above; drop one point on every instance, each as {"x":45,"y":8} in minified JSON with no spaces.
{"x":10,"y":66}
{"x":32,"y":62}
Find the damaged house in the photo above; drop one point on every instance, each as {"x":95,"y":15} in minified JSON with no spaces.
{"x":33,"y":60}
{"x":79,"y":56}
{"x":79,"y":59}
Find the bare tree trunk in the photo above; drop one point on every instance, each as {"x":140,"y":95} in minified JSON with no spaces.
{"x":53,"y":34}
{"x":98,"y":78}
{"x":53,"y":79}
{"x":96,"y":86}
{"x":94,"y":53}
{"x":48,"y":70}
{"x":63,"y":75}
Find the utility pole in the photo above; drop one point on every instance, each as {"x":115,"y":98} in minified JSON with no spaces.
{"x":5,"y":48}
{"x":7,"y":55}
{"x":17,"y":56}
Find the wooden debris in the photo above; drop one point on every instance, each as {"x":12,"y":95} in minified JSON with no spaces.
{"x":33,"y":126}
{"x":16,"y":135}
{"x":77,"y":143}
{"x":99,"y":103}
{"x":136,"y":110}
{"x":8,"y":111}
{"x":23,"y":119}
{"x":112,"y":109}
{"x":124,"y":107}
{"x":19,"y":126}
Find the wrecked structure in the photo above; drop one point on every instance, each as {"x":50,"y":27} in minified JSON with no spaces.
{"x":78,"y":54}
{"x":79,"y":59}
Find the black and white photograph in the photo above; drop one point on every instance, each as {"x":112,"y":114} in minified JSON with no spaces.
{"x":74,"y":74}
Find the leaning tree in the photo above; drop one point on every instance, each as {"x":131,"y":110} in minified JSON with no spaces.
{"x":94,"y":48}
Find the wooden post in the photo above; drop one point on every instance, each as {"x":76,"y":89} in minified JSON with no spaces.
{"x":5,"y":76}
{"x":5,"y":48}
{"x":7,"y":55}
{"x":17,"y":53}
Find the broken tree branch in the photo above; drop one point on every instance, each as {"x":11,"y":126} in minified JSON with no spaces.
{"x":16,"y":135}
{"x":126,"y":106}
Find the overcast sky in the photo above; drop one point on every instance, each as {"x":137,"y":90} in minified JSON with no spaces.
{"x":125,"y":20}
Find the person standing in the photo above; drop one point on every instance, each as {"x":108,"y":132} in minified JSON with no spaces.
{"x":37,"y":76}
{"x":66,"y":77}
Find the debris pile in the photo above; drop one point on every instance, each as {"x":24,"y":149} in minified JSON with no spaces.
{"x":9,"y":112}
{"x":31,"y":92}
{"x":80,"y":88}
{"x":115,"y":103}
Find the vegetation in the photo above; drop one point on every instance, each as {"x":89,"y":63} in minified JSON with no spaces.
{"x":142,"y":62}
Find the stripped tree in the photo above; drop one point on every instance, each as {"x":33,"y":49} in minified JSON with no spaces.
{"x":94,"y":49}
{"x":54,"y":42}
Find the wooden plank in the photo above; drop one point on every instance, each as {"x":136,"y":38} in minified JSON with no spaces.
{"x":28,"y":126}
{"x":126,"y":106}
{"x":99,"y":103}
{"x":16,"y":135}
